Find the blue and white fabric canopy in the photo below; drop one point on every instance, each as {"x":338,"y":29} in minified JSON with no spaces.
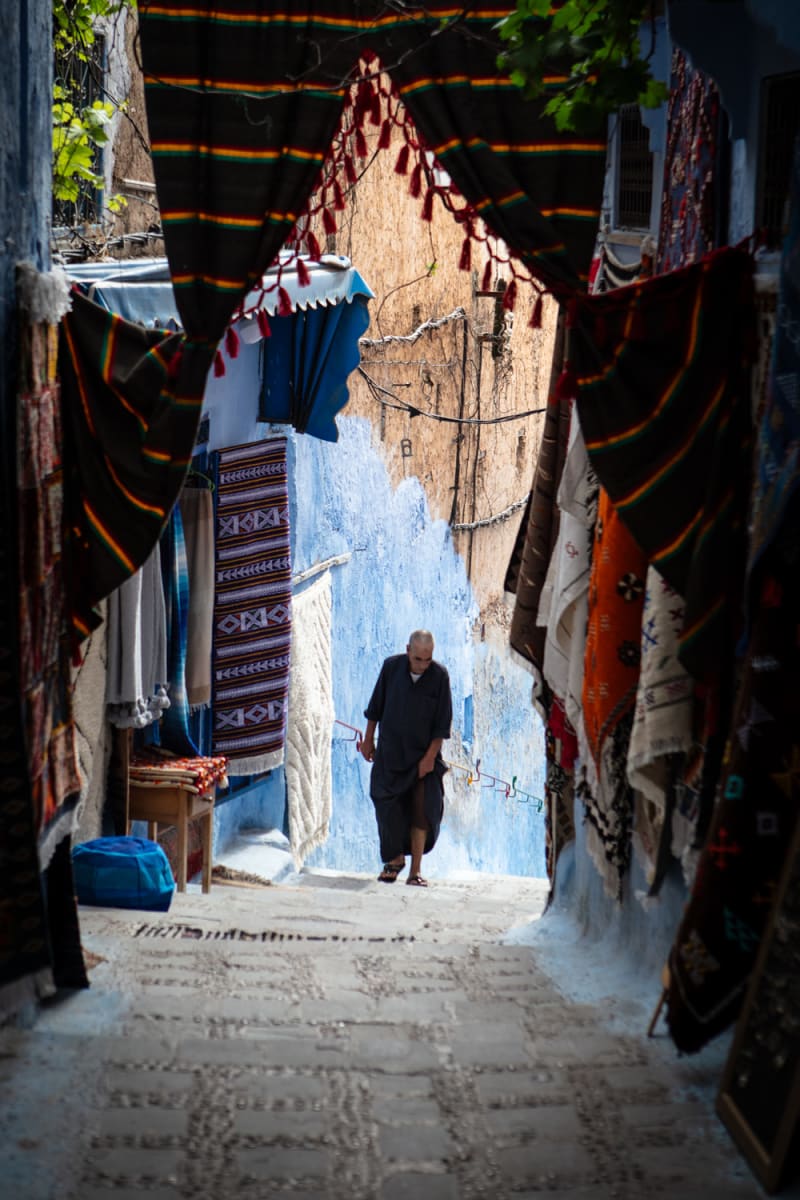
{"x":303,"y":366}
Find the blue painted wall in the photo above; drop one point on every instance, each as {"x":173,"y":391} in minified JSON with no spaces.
{"x":404,"y":573}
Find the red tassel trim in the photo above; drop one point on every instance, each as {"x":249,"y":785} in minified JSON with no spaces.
{"x":465,"y":261}
{"x":385,"y":139}
{"x":363,"y":99}
{"x":219,"y":365}
{"x":567,"y":386}
{"x":427,"y":206}
{"x":350,"y":172}
{"x":232,"y":342}
{"x":328,"y":221}
{"x":338,"y":196}
{"x":313,"y":245}
{"x":263,"y":323}
{"x":510,"y":296}
{"x":303,"y":277}
{"x":415,"y":186}
{"x":486,"y":282}
{"x":361,"y":145}
{"x":401,"y":166}
{"x":536,"y":315}
{"x":375,"y":115}
{"x":284,"y":303}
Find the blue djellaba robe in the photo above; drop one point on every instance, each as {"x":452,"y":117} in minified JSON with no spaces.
{"x":410,"y":716}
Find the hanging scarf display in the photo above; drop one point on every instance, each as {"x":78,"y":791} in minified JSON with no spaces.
{"x":538,"y":531}
{"x":663,"y":396}
{"x":44,"y":642}
{"x":691,"y":203}
{"x":755,"y":815}
{"x":252,"y":607}
{"x":40,"y":943}
{"x":174,"y":729}
{"x":757,"y":802}
{"x":197,"y":515}
{"x":136,"y":645}
{"x":662,"y":725}
{"x":611,"y":673}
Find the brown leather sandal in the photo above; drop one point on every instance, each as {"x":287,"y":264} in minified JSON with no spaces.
{"x":416,"y":881}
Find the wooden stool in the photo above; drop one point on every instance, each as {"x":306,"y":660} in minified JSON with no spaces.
{"x":175,"y":805}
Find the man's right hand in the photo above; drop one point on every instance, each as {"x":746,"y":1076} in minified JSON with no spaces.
{"x":368,"y":749}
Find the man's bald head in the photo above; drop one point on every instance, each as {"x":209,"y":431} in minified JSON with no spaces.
{"x":420,"y":651}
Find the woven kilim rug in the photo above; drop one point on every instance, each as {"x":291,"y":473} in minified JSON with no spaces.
{"x":252,"y":606}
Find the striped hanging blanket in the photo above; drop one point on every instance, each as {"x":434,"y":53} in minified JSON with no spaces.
{"x":664,"y":406}
{"x":252,"y":607}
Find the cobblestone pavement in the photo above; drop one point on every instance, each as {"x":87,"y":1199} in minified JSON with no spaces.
{"x":341,"y":1038}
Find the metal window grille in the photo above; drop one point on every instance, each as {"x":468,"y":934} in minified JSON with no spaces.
{"x":84,"y":83}
{"x":634,"y":170}
{"x":780,"y":122}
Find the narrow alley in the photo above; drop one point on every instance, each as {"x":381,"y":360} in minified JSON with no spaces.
{"x":335,"y":1037}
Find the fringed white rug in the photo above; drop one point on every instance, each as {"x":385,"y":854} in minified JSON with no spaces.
{"x":310,"y":722}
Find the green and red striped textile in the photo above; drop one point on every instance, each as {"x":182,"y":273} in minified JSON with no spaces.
{"x":244,"y":100}
{"x":131,"y":400}
{"x":663,"y":394}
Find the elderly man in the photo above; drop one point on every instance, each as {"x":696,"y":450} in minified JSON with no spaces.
{"x":411,"y":703}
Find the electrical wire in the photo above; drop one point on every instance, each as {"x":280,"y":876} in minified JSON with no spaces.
{"x":400,"y":405}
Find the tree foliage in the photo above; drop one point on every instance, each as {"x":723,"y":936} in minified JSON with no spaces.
{"x":79,"y":129}
{"x":595,"y":45}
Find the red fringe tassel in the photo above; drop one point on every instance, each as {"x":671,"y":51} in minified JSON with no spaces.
{"x":510,"y":296}
{"x":232,"y":342}
{"x":536,"y":315}
{"x":284,"y":303}
{"x":350,"y":173}
{"x":219,"y":365}
{"x":384,"y":141}
{"x":361,"y":144}
{"x":415,"y":186}
{"x":567,"y":386}
{"x":263,"y":323}
{"x":486,"y":282}
{"x":427,"y":205}
{"x":313,"y":245}
{"x":401,"y":166}
{"x":303,"y":277}
{"x":328,"y":221}
{"x":465,"y":261}
{"x":338,"y":196}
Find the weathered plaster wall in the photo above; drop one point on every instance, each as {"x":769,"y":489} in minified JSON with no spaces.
{"x":488,"y":365}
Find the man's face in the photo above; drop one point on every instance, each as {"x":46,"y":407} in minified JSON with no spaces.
{"x":420,"y":657}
